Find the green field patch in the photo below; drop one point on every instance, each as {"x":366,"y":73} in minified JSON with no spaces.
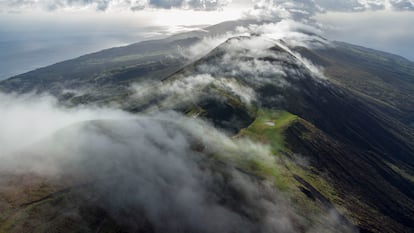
{"x":268,"y":128}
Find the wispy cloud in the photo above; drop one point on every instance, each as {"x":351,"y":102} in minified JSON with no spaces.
{"x":187,"y":90}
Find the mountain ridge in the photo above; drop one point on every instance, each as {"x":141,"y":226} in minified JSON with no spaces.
{"x":335,"y":142}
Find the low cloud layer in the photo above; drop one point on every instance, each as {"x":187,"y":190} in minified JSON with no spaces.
{"x":258,"y":53}
{"x":234,"y":65}
{"x":184,"y":91}
{"x":26,"y":119}
{"x":163,"y":172}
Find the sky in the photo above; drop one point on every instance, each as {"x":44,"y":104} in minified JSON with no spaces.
{"x":36,"y":33}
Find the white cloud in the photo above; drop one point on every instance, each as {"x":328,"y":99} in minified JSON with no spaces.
{"x":207,"y":44}
{"x":246,"y":53}
{"x":104,"y":5}
{"x":26,"y":119}
{"x":190,"y":89}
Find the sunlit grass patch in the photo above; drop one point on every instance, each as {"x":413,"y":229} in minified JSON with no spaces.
{"x":268,"y":128}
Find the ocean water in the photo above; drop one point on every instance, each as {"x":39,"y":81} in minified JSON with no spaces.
{"x":22,"y":50}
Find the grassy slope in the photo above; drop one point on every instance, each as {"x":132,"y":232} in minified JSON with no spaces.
{"x":268,"y":128}
{"x":32,"y":203}
{"x":310,"y":189}
{"x":346,"y":170}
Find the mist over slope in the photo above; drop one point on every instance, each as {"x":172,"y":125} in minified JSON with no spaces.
{"x":248,"y":126}
{"x":162,"y":172}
